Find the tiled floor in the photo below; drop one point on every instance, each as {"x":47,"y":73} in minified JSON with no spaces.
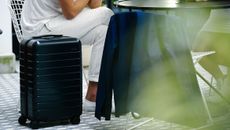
{"x":9,"y":97}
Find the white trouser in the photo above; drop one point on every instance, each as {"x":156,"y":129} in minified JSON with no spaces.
{"x":90,"y":26}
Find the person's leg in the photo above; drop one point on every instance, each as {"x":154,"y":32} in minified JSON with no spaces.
{"x":83,"y":23}
{"x":98,"y":35}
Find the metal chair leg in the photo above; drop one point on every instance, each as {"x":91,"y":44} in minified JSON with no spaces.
{"x":213,"y":88}
{"x":205,"y":104}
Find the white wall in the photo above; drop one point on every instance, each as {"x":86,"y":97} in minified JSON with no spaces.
{"x":7,"y":57}
{"x":5,"y":26}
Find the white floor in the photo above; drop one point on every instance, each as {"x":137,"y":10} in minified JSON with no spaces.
{"x":9,"y":97}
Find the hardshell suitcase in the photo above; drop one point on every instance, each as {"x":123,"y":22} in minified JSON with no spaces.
{"x":50,"y":80}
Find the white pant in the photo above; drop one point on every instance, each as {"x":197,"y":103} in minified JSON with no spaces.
{"x":90,"y":26}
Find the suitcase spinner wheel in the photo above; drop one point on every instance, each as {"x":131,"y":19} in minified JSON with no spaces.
{"x":75,"y":120}
{"x":22,"y":120}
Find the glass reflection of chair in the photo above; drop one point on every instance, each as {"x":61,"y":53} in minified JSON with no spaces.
{"x":214,"y":36}
{"x":198,"y":56}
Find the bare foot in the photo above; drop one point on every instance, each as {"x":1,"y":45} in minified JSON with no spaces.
{"x":92,"y":91}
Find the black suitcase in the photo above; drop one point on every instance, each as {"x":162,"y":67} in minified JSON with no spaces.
{"x":50,"y":80}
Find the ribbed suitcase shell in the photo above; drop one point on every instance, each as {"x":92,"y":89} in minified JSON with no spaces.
{"x":50,"y":79}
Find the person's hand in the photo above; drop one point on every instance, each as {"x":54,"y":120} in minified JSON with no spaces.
{"x":94,"y":3}
{"x":70,"y":8}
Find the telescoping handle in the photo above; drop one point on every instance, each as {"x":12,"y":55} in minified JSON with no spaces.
{"x":48,"y":36}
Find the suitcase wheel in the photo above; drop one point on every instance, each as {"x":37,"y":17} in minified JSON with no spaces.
{"x":75,"y":120}
{"x":34,"y":124}
{"x":22,"y":120}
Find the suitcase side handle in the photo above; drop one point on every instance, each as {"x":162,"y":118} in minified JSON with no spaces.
{"x":47,"y":36}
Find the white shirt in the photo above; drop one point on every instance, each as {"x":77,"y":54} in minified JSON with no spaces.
{"x":219,"y":21}
{"x":36,"y":13}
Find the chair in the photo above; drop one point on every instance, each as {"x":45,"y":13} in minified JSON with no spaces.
{"x":15,"y":7}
